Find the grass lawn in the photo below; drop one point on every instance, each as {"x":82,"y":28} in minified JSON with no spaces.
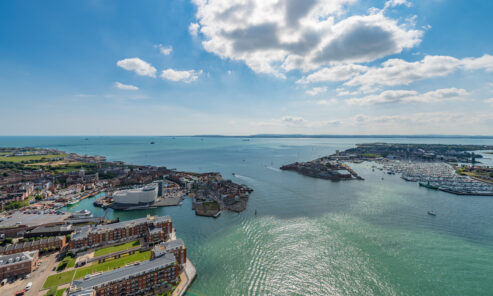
{"x":60,"y":292}
{"x":116,"y":248}
{"x":18,"y":159}
{"x":59,"y":279}
{"x":66,"y":277}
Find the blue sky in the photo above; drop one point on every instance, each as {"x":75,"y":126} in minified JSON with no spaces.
{"x":245,"y":67}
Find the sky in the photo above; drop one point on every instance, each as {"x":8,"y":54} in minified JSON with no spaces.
{"x":242,"y":67}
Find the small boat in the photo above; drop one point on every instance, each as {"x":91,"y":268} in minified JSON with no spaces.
{"x":246,"y":140}
{"x":73,"y":202}
{"x":233,"y":174}
{"x":432,"y":213}
{"x":153,"y":142}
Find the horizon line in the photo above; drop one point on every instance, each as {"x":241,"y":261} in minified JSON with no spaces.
{"x":280,"y":136}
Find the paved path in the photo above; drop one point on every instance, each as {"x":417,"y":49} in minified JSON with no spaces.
{"x":186,"y":279}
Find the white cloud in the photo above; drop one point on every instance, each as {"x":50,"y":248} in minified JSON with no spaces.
{"x":294,"y":120}
{"x":125,"y":86}
{"x":489,"y":101}
{"x":164,"y":50}
{"x":485,"y":63}
{"x":411,"y":96}
{"x":326,"y":102}
{"x":394,"y":3}
{"x":273,"y":36}
{"x":140,"y":67}
{"x":316,"y":91}
{"x":336,"y":73}
{"x":193,"y":29}
{"x":399,"y":72}
{"x":183,"y":76}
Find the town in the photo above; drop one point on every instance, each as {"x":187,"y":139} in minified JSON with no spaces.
{"x":47,"y":250}
{"x":44,"y":180}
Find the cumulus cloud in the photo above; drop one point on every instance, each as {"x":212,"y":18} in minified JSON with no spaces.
{"x":316,"y":91}
{"x":273,"y":36}
{"x":125,"y":86}
{"x":411,"y":96}
{"x":137,"y":65}
{"x":485,"y":63}
{"x":193,"y":29}
{"x":164,"y":50}
{"x":183,"y":76}
{"x":336,"y":73}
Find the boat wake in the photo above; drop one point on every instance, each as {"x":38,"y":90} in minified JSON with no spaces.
{"x":273,"y":169}
{"x":243,"y":178}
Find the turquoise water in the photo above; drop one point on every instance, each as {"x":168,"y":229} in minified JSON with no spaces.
{"x":310,"y":236}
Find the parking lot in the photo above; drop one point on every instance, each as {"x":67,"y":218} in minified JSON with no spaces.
{"x":37,"y":277}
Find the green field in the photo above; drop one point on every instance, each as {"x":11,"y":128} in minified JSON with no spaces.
{"x":19,"y":159}
{"x":116,"y":248}
{"x":60,"y":292}
{"x":66,"y":277}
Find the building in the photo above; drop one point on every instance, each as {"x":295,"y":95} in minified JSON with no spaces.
{"x":135,"y":198}
{"x":152,"y":229}
{"x":177,"y":247}
{"x":17,"y":264}
{"x":145,"y":278}
{"x":51,"y":230}
{"x":50,"y":243}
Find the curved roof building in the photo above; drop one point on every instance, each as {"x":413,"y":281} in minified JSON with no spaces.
{"x":139,"y":197}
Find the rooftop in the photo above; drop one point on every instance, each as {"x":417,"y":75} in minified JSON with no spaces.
{"x":119,"y":274}
{"x":151,"y":219}
{"x":81,"y":232}
{"x":31,"y":220}
{"x":16,"y":258}
{"x":19,"y":246}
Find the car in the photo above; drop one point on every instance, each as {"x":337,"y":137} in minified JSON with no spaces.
{"x":20,"y":293}
{"x":4,"y":281}
{"x":29,"y":285}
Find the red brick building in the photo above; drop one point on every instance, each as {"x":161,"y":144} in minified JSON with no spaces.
{"x":151,"y":228}
{"x":177,"y":247}
{"x":145,"y":278}
{"x":50,"y":243}
{"x":17,"y":264}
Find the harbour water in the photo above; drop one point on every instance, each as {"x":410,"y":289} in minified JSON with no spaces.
{"x":312,"y":236}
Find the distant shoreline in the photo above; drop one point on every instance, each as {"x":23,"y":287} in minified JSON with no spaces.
{"x":301,"y":136}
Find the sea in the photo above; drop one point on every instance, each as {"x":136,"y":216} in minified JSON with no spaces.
{"x":306,"y":236}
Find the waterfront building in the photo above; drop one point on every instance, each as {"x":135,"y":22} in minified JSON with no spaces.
{"x":135,"y":198}
{"x":18,"y":264}
{"x":177,"y":247}
{"x":144,"y":278}
{"x":151,"y":228}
